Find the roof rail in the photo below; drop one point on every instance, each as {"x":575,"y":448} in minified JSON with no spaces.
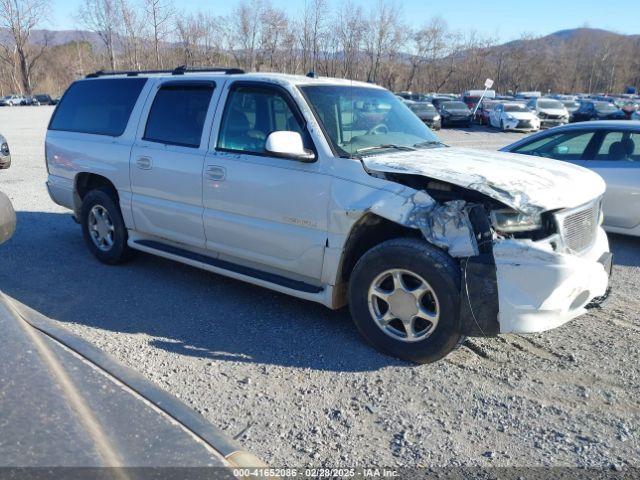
{"x":181,"y":70}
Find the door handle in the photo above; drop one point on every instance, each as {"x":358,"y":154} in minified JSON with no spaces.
{"x":216,"y":173}
{"x":144,"y":163}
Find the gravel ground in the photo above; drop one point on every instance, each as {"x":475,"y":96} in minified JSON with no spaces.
{"x":294,"y":382}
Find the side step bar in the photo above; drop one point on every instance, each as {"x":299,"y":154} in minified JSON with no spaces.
{"x":231,"y":267}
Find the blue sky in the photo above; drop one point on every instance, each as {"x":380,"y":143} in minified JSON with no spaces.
{"x":504,"y":19}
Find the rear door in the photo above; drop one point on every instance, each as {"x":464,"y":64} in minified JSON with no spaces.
{"x":167,"y":161}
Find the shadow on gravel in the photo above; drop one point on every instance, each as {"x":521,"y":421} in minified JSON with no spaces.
{"x":626,"y":250}
{"x":47,"y":267}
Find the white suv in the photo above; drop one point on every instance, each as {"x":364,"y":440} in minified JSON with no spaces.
{"x":331,"y":191}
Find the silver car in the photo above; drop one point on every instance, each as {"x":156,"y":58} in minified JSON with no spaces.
{"x":611,"y":149}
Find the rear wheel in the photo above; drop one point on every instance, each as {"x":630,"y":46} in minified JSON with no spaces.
{"x":404,"y":299}
{"x":103,"y":227}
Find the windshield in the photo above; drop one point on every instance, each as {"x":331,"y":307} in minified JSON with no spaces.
{"x":454,"y":106}
{"x":515,"y":108}
{"x":361,"y":119}
{"x":550,"y":104}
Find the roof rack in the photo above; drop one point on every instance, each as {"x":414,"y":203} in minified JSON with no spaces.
{"x":181,"y":70}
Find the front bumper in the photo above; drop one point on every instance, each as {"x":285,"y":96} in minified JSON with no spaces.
{"x":553,"y":122}
{"x":521,"y":125}
{"x":540,"y":289}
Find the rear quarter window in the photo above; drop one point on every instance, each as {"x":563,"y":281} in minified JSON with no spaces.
{"x":100,"y":107}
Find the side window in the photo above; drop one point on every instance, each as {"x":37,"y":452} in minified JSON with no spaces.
{"x":561,"y":146}
{"x":251,"y":115}
{"x":178,"y":113}
{"x":98,"y":106}
{"x":617,"y":146}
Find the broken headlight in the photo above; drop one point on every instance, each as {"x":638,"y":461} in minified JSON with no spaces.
{"x":511,"y":221}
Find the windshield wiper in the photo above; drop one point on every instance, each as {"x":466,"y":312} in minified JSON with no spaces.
{"x":430,"y":143}
{"x":385,"y":147}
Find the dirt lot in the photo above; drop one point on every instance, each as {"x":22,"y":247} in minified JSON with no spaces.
{"x":294,"y":382}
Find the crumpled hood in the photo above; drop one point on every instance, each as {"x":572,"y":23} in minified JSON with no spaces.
{"x":526,"y":183}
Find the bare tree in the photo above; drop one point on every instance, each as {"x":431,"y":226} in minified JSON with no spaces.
{"x":159,"y":13}
{"x":20,"y":17}
{"x":132,"y":27}
{"x":103,"y":18}
{"x":383,"y":35}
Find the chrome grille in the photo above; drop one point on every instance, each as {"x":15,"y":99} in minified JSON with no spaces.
{"x":579,"y":226}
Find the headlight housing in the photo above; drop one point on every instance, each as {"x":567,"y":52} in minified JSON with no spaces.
{"x":4,"y":149}
{"x":511,"y":221}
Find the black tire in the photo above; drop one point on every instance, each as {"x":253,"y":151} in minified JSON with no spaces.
{"x":119,"y":252}
{"x":439,"y":270}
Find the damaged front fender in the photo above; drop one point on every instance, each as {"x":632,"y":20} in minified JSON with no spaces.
{"x":446,"y":225}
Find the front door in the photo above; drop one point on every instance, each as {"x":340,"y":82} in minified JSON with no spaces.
{"x":260,"y":208}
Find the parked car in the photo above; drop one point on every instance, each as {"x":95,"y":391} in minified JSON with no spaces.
{"x":43,"y":99}
{"x":68,"y":405}
{"x":426,"y":112}
{"x":28,"y":101}
{"x":484,"y":110}
{"x":472,"y":97}
{"x":527,"y":95}
{"x":5,"y":154}
{"x":513,"y":116}
{"x":439,"y":100}
{"x":571,"y":106}
{"x":550,"y":112}
{"x":13,"y":100}
{"x":455,"y":113}
{"x":415,"y":97}
{"x":612,"y":150}
{"x":331,"y":191}
{"x":595,"y":110}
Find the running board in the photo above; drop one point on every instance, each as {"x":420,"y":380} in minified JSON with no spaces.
{"x":231,"y":267}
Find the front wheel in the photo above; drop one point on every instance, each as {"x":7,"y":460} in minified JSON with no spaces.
{"x":404,"y":298}
{"x":103,"y":227}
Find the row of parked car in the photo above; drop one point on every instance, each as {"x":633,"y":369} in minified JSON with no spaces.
{"x":28,"y":100}
{"x":523,"y":112}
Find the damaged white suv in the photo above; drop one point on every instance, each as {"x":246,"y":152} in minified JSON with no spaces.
{"x":331,"y":191}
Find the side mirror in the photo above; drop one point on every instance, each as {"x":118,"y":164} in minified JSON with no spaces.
{"x":7,"y":218}
{"x":288,"y":145}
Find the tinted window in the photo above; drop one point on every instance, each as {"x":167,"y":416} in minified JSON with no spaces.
{"x":620,"y":146}
{"x":178,"y":113}
{"x":251,"y":115}
{"x":101,"y":106}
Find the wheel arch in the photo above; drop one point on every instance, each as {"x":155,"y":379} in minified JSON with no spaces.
{"x":84,"y":182}
{"x":369,"y":231}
